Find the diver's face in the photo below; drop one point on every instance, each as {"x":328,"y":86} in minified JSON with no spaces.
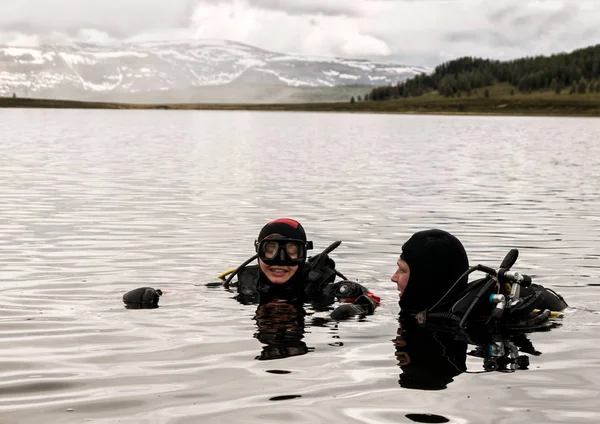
{"x":278,"y":274}
{"x":401,"y":276}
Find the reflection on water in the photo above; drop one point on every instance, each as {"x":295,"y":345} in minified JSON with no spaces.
{"x":501,"y":352}
{"x":429,"y":360}
{"x":280,"y":329}
{"x":96,"y":203}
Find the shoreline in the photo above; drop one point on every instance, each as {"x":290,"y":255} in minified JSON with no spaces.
{"x":522,"y":105}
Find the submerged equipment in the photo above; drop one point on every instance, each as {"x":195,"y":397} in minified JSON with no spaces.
{"x":501,"y":354}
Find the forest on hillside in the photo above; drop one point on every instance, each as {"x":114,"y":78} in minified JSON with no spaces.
{"x":575,"y":72}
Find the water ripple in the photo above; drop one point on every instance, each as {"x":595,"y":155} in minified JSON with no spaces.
{"x":96,"y":203}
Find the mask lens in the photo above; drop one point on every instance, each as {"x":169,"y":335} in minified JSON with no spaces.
{"x":282,"y":251}
{"x":270,"y":249}
{"x":293,"y":250}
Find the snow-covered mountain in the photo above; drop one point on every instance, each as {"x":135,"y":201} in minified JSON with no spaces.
{"x":157,"y":71}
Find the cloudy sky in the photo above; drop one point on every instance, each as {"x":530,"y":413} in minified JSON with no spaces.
{"x":419,"y":32}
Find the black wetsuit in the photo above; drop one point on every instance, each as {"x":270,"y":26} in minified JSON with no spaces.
{"x":314,"y":286}
{"x":438,"y":288}
{"x":280,"y":314}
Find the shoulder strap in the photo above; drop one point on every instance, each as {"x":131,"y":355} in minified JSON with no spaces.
{"x":320,"y":269}
{"x":247,"y":279}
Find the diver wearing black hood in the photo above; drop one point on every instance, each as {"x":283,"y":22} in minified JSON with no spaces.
{"x":282,"y":250}
{"x":285,"y":272}
{"x":432,"y":279}
{"x":436,"y":259}
{"x":441,"y":312}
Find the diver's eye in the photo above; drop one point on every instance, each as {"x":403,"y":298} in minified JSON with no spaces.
{"x":292,"y":250}
{"x":270,"y":249}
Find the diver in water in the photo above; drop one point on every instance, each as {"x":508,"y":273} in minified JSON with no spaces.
{"x":430,"y":263}
{"x":285,"y":272}
{"x":441,"y":312}
{"x":432,"y":280}
{"x":284,"y":280}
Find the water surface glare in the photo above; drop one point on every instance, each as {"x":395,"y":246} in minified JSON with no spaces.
{"x":96,"y":203}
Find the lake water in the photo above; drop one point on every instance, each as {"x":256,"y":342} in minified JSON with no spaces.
{"x":96,"y":203}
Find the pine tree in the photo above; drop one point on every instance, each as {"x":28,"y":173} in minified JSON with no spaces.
{"x":582,"y":86}
{"x":559,"y":87}
{"x":352,"y":99}
{"x":573,"y":89}
{"x":540,"y":73}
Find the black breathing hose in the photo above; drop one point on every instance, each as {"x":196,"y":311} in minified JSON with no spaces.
{"x":463,"y":275}
{"x":230,"y":277}
{"x":487,"y":285}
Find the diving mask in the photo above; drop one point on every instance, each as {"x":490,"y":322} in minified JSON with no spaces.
{"x":282,"y":251}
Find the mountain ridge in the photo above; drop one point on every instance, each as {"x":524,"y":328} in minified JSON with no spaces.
{"x":85,"y":71}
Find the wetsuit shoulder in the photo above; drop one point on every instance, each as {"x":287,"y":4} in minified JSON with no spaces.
{"x":247,"y":279}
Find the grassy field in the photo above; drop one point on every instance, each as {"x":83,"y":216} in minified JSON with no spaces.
{"x":237,"y":94}
{"x":499,"y":102}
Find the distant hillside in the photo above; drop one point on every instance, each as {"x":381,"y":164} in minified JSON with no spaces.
{"x":499,"y":102}
{"x":182,"y":71}
{"x":577,"y":72}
